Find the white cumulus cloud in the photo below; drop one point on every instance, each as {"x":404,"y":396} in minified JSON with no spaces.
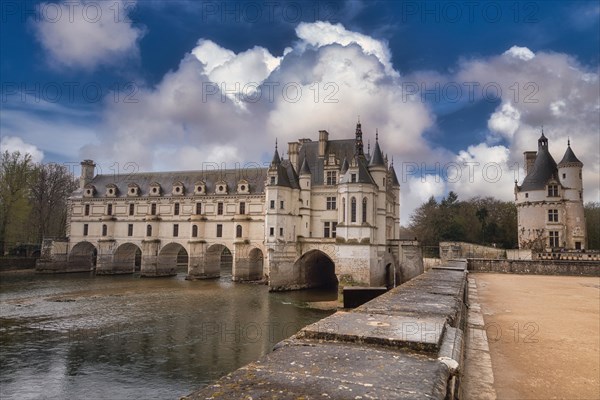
{"x":86,"y":34}
{"x":13,"y":143}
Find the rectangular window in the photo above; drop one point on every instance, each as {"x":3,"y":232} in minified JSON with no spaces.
{"x":553,"y":239}
{"x":353,"y":178}
{"x":87,"y":210}
{"x":331,"y":203}
{"x":104,"y":230}
{"x":175,"y":230}
{"x":242,"y":207}
{"x":272,"y":180}
{"x":219,"y":230}
{"x":271,"y":231}
{"x":326,"y":229}
{"x":280,"y":231}
{"x":552,"y":190}
{"x":176,"y":209}
{"x":281,"y":204}
{"x":552,"y":215}
{"x":153,"y":209}
{"x":195,"y":231}
{"x":109,"y":209}
{"x":131,"y":209}
{"x":85,"y":229}
{"x":334,"y":229}
{"x":331,"y":178}
{"x":564,"y":176}
{"x":129,"y":229}
{"x":219,"y":208}
{"x":148,"y":230}
{"x":198,"y":208}
{"x":272,"y":205}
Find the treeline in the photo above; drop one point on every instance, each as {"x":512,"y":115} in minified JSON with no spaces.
{"x":592,"y":224}
{"x":481,"y":220}
{"x":485,"y":221}
{"x":33,"y":199}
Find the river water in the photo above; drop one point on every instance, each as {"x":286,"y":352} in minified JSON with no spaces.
{"x":78,"y":336}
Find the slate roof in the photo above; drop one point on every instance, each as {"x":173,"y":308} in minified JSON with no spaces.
{"x":377,"y":159}
{"x":544,"y":168}
{"x":364,"y":176}
{"x":569,"y":157}
{"x":394,"y":176}
{"x":343,"y":148}
{"x":255,"y":176}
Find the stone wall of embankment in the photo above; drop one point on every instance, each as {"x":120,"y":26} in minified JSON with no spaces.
{"x":535,"y":267}
{"x":405,"y":344}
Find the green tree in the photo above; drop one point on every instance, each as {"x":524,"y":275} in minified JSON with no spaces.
{"x":15,"y":172}
{"x":592,"y":224}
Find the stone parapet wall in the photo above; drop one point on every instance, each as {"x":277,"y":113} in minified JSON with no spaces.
{"x":535,"y":267}
{"x":405,"y":344}
{"x":453,"y":250}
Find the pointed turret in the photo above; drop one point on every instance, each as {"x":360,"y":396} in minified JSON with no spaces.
{"x":304,"y":170}
{"x":570,"y":157}
{"x":358,"y":140}
{"x":377,"y":158}
{"x":393,"y":175}
{"x":276,"y":159}
{"x":544,"y":168}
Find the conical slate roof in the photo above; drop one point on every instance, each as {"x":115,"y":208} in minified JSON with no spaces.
{"x":569,"y":157}
{"x":393,"y":175}
{"x":304,"y":170}
{"x":345,"y":166}
{"x":377,"y":159}
{"x":544,"y":168}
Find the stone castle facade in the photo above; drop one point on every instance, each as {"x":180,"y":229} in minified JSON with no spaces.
{"x":550,"y":201}
{"x":329,"y":212}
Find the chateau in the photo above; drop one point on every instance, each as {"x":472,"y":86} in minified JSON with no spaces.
{"x":550,"y":201}
{"x":329,"y":212}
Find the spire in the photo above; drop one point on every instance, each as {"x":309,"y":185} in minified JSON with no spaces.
{"x":393,"y":174}
{"x":304,"y":170}
{"x":276,"y":159}
{"x":570,"y":157}
{"x":369,"y":146}
{"x":377,"y":158}
{"x":358,"y":140}
{"x":542,"y":141}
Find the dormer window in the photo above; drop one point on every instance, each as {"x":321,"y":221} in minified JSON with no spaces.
{"x":200,"y":188}
{"x":221,"y":187}
{"x":272,"y":180}
{"x":178,"y":189}
{"x":154,"y":189}
{"x":552,"y":190}
{"x":133,"y":190}
{"x":89,"y":191}
{"x":243,"y":187}
{"x":111,"y":190}
{"x":331,"y":178}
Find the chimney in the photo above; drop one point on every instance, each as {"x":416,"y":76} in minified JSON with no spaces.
{"x":87,"y":172}
{"x":293,"y":153}
{"x":323,"y":138}
{"x":529,"y":160}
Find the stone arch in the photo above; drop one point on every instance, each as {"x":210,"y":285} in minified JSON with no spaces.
{"x":172,"y":256}
{"x":249,"y":265}
{"x":84,"y":254}
{"x":315,"y":269}
{"x":389,"y":275}
{"x":220,"y":257}
{"x":127,"y":258}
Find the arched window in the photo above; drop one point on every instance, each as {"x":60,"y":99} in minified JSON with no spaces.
{"x":148,"y":230}
{"x":353,"y":209}
{"x":238,"y":231}
{"x":364,"y":210}
{"x":343,"y":210}
{"x":104,"y":230}
{"x":194,"y":230}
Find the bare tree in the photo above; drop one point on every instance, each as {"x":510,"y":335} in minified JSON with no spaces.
{"x":50,"y":187}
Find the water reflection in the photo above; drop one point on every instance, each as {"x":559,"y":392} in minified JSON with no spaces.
{"x":80,"y":336}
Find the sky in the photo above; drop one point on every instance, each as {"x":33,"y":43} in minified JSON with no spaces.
{"x":456,"y":90}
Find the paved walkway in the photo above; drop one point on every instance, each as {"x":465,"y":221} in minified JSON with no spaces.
{"x":544,"y":335}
